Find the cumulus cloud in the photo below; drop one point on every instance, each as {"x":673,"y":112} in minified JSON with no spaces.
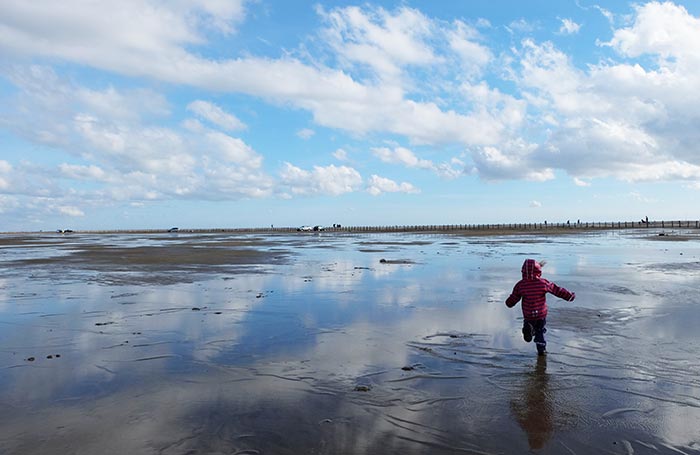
{"x":8,"y":203}
{"x":216,"y":115}
{"x":131,"y":30}
{"x":661,"y":29}
{"x":306,"y":133}
{"x":383,"y":40}
{"x":406,"y":157}
{"x":521,"y":25}
{"x":392,"y":73}
{"x":401,"y":38}
{"x":5,"y":170}
{"x":152,"y":149}
{"x":81,"y":172}
{"x":127,"y":156}
{"x":330,"y":180}
{"x":513,"y":160}
{"x":593,"y":137}
{"x":579,"y":182}
{"x":401,"y":155}
{"x":340,"y":155}
{"x":569,"y":27}
{"x":377,"y":185}
{"x":233,"y":150}
{"x":70,"y":211}
{"x":535,"y":204}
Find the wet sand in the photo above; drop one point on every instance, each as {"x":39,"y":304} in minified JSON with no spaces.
{"x":346,"y":344}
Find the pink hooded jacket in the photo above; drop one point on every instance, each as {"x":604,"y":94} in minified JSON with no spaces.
{"x":533,"y":289}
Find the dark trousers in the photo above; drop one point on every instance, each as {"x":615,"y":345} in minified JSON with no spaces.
{"x":537,"y":327}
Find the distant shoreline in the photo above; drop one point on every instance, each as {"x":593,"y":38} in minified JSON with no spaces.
{"x":468,"y":229}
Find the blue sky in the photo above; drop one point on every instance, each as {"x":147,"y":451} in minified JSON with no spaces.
{"x":215,"y":113}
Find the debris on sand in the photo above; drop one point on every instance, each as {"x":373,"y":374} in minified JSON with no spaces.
{"x":396,"y":261}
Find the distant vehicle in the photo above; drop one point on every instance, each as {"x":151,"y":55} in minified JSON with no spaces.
{"x":305,"y":229}
{"x":64,"y":231}
{"x":173,"y":229}
{"x":319,"y":228}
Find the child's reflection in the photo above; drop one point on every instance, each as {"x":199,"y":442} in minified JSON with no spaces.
{"x":533,"y":409}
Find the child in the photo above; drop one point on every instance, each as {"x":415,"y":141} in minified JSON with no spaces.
{"x":533,"y":290}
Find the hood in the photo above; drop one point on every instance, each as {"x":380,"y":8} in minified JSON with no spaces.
{"x":531,"y":269}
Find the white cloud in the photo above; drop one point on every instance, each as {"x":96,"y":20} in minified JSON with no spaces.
{"x":152,"y":149}
{"x":535,"y":204}
{"x":405,"y":157}
{"x":579,"y":182}
{"x":221,"y":15}
{"x":233,"y":150}
{"x":521,"y":26}
{"x":590,"y":135}
{"x":8,"y":203}
{"x":158,"y":38}
{"x":556,"y":83}
{"x":131,"y":29}
{"x":394,"y":72}
{"x":330,"y":180}
{"x":505,"y":110}
{"x":379,"y":39}
{"x":569,"y":27}
{"x":5,"y":171}
{"x":464,"y":40}
{"x":80,"y":172}
{"x":129,"y":157}
{"x":70,"y":211}
{"x":483,"y":23}
{"x":340,"y":155}
{"x":513,"y":160}
{"x":606,"y":13}
{"x":377,"y":185}
{"x":401,"y":155}
{"x":226,"y":181}
{"x":663,"y":29}
{"x":216,"y":115}
{"x":306,"y":133}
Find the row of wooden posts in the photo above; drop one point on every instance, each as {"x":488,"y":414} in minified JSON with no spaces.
{"x":689,"y":224}
{"x":543,"y":226}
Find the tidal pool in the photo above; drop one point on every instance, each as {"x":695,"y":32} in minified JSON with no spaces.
{"x":343,"y":343}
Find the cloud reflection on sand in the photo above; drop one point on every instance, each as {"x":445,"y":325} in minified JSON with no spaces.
{"x":271,"y":361}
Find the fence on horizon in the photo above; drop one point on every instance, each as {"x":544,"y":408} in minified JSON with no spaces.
{"x":519,"y":227}
{"x":603,"y":225}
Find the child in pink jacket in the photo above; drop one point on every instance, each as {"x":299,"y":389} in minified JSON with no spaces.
{"x":533,"y":289}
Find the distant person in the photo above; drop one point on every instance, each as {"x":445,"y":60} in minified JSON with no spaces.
{"x":533,"y":289}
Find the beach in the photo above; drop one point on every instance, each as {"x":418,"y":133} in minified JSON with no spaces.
{"x":347,"y":343}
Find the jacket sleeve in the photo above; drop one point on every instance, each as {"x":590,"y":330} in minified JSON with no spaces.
{"x":514,"y":297}
{"x":561,"y":292}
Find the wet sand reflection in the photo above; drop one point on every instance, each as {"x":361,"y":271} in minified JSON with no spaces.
{"x":533,"y":409}
{"x":288,"y":344}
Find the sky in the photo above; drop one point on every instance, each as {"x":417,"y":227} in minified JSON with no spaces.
{"x":150,"y":114}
